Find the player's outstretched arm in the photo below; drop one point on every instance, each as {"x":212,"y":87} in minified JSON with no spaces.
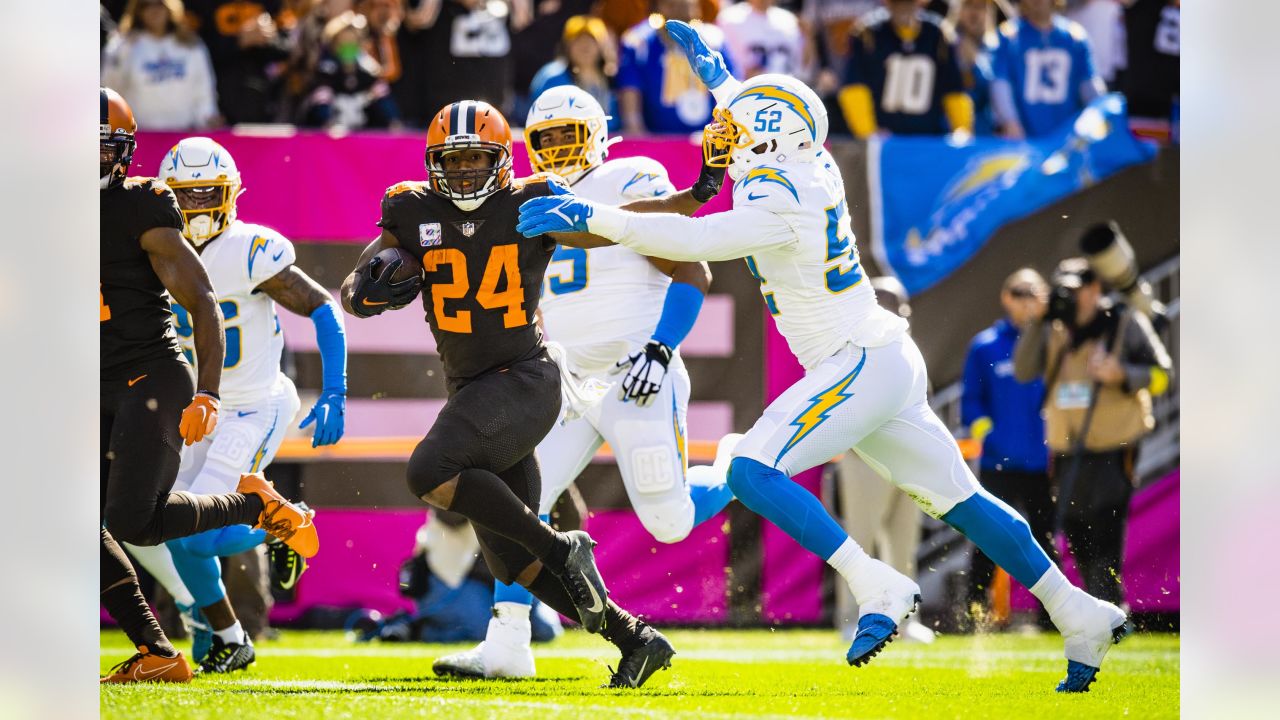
{"x":707,"y":64}
{"x":299,"y":294}
{"x":182,"y":273}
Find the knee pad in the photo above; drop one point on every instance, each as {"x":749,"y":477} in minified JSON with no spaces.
{"x":427,"y":469}
{"x":132,"y":524}
{"x":746,"y":477}
{"x":668,"y":522}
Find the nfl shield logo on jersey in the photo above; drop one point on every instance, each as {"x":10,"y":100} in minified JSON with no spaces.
{"x":468,"y":228}
{"x":429,"y":234}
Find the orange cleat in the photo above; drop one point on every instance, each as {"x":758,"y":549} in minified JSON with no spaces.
{"x":282,"y":518}
{"x":146,"y":666}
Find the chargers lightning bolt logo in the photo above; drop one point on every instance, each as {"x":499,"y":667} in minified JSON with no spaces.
{"x":259,"y":245}
{"x":820,"y":407}
{"x":786,"y":97}
{"x":768,"y":175}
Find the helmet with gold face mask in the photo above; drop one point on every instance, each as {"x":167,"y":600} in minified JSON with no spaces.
{"x":205,"y":179}
{"x":567,"y":133}
{"x":771,"y":119}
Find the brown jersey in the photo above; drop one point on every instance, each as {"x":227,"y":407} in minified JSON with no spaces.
{"x":481,"y":279}
{"x":134,"y":316}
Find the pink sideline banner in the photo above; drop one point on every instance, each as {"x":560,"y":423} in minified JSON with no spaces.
{"x":316,"y":187}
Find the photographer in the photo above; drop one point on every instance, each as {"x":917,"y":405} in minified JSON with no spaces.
{"x":1102,"y":363}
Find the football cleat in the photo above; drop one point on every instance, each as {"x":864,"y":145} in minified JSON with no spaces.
{"x":887,"y":599}
{"x":653,"y":654}
{"x":1089,"y":628}
{"x":146,"y":666}
{"x":488,"y":660}
{"x":285,"y":564}
{"x":582,"y":580}
{"x":201,"y":633}
{"x":281,"y":518}
{"x":227,"y":657}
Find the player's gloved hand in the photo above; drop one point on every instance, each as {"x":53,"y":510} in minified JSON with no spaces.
{"x":327,"y":414}
{"x":711,"y":178}
{"x":374,"y":293}
{"x":708,"y":64}
{"x":199,"y":418}
{"x":646,"y":369}
{"x":554,"y":213}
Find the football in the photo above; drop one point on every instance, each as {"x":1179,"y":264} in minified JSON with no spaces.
{"x":409,"y":265}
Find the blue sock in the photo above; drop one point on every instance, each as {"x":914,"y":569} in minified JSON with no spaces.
{"x":201,"y":574}
{"x":515,"y":592}
{"x":708,"y":500}
{"x":1002,"y":534}
{"x":224,"y":541}
{"x":768,"y":492}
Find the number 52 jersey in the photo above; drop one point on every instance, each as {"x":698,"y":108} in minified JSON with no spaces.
{"x":481,"y":278}
{"x":238,"y":260}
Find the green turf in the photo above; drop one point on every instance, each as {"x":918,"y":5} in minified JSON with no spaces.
{"x":717,"y":674}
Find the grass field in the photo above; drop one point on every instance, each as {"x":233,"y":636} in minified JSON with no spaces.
{"x":716,"y":675}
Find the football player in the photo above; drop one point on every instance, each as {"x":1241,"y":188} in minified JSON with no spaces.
{"x":252,"y":269}
{"x":613,"y":311}
{"x":481,"y":282}
{"x":149,"y":400}
{"x":865,"y":382}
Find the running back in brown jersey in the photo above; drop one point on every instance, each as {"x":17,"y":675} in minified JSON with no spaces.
{"x":134,"y":315}
{"x":482,"y":279}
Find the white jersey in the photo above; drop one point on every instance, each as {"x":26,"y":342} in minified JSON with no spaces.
{"x":601,"y":303}
{"x":791,"y":223}
{"x":240,"y":259}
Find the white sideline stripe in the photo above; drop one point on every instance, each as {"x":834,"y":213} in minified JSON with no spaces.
{"x":451,"y":700}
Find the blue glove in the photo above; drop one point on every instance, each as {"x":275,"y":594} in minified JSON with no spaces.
{"x":327,"y":415}
{"x":562,"y":213}
{"x":708,"y":64}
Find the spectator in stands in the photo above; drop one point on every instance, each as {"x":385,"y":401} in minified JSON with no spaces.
{"x":1045,"y":73}
{"x":588,"y":60}
{"x":880,"y":518}
{"x":974,"y":21}
{"x":829,"y":25}
{"x":657,"y":92}
{"x":162,"y":68}
{"x":622,"y":15}
{"x":762,"y":38}
{"x":902,"y":76}
{"x":1104,"y":31}
{"x":348,"y":90}
{"x":454,"y":50}
{"x":249,"y":54}
{"x":1151,"y":81}
{"x":1102,"y":363}
{"x":1003,"y":414}
{"x":541,"y":42}
{"x":383,"y":18}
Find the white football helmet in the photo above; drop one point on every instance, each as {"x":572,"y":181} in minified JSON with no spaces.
{"x":205,"y":178}
{"x":572,"y":107}
{"x":774,"y":118}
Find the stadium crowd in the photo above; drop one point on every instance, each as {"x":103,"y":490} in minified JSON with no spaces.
{"x":882,"y":66}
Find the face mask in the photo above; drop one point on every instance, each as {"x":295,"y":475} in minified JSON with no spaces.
{"x":347,"y":53}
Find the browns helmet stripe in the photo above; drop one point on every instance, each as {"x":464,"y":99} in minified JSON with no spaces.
{"x":471,"y":118}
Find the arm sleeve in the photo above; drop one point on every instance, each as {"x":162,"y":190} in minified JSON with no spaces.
{"x":728,"y":235}
{"x":972,"y":396}
{"x":1029,"y":353}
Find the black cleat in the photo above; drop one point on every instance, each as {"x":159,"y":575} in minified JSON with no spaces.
{"x":582,"y":580}
{"x":636,"y":666}
{"x":227,"y":657}
{"x":285,"y":564}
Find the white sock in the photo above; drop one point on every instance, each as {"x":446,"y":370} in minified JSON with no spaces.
{"x":1054,"y":590}
{"x":232,"y":635}
{"x":846,"y":560}
{"x":157,"y":561}
{"x":509,"y":624}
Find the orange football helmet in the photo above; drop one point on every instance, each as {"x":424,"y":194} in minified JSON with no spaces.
{"x":468,"y":125}
{"x":115,"y":133}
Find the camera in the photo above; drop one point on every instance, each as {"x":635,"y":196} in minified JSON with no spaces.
{"x":1112,"y":258}
{"x":1062,"y":304}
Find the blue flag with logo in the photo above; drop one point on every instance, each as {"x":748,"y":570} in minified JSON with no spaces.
{"x":935,"y":203}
